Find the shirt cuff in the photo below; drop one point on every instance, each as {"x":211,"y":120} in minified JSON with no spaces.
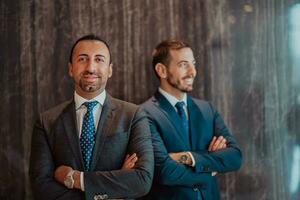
{"x":193,"y":159}
{"x":81,"y":181}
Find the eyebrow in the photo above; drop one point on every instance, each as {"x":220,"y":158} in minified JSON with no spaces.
{"x":181,"y":61}
{"x":98,"y":55}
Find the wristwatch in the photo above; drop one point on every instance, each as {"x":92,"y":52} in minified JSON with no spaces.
{"x":183,"y":159}
{"x":69,"y":181}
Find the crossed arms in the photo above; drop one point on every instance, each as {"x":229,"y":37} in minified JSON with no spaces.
{"x":222,"y":155}
{"x":62,"y":171}
{"x":132,"y":180}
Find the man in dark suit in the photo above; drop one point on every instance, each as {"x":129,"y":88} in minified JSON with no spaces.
{"x":93,"y":146}
{"x":190,"y":140}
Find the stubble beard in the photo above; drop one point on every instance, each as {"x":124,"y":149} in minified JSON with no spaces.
{"x":177,"y":84}
{"x":90,"y":87}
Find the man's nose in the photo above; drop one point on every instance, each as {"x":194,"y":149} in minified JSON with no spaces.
{"x":91,"y":66}
{"x":192,"y":69}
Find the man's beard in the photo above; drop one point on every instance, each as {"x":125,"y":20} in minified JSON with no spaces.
{"x":176,"y":84}
{"x":87,"y":86}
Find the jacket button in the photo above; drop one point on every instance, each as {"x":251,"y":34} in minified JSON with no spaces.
{"x":100,"y":197}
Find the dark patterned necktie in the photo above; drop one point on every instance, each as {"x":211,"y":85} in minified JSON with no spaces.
{"x":180,"y":108}
{"x":87,"y":137}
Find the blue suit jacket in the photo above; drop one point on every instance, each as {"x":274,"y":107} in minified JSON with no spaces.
{"x":177,"y":181}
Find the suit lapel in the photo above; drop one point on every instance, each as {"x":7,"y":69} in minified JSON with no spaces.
{"x":105,"y":122}
{"x":69,"y":121}
{"x":196,"y":123}
{"x":172,"y":115}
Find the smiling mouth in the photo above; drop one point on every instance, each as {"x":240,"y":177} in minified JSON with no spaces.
{"x":89,"y":76}
{"x":189,"y":80}
{"x":89,"y":79}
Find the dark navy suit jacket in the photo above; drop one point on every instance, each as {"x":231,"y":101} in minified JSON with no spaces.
{"x":177,"y":181}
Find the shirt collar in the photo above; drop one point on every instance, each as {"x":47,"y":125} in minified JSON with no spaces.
{"x":79,"y":100}
{"x":173,"y":100}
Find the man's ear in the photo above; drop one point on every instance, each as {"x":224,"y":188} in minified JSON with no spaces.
{"x":70,"y":69}
{"x":161,"y":70}
{"x":110,"y":70}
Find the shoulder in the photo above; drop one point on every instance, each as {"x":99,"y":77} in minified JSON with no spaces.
{"x":148,"y":104}
{"x":56,"y":110}
{"x":200,"y":102}
{"x":53,"y":113}
{"x":204,"y":106}
{"x":124,"y":105}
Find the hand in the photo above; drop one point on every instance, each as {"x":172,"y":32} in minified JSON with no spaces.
{"x":176,"y":157}
{"x":217,"y":143}
{"x":130,"y":161}
{"x":61,"y":172}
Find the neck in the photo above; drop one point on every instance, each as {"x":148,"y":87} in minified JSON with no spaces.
{"x":172,"y":91}
{"x":88,"y":95}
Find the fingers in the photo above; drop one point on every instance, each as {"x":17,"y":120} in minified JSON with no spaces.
{"x":131,"y":158}
{"x":217,"y":143}
{"x":222,"y":143}
{"x":212,"y":143}
{"x":130,"y":161}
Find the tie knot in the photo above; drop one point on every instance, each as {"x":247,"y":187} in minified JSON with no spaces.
{"x":180,"y":105}
{"x":90,"y":105}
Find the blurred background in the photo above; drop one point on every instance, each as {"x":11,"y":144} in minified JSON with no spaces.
{"x":248,"y":62}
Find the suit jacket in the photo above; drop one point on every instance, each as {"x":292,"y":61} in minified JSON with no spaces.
{"x":122,"y":129}
{"x":173,"y":180}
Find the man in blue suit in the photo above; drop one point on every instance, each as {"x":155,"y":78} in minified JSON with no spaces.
{"x":191,"y":141}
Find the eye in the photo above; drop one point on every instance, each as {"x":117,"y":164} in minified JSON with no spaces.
{"x":183,"y":64}
{"x":82,"y":59}
{"x":99,"y":59}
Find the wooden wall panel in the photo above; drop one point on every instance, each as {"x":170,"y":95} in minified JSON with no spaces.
{"x":244,"y":65}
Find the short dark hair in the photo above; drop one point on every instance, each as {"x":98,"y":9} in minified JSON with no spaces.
{"x":90,"y":37}
{"x":161,"y":53}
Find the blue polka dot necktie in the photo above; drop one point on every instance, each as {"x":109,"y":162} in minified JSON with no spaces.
{"x":87,"y":137}
{"x":180,"y":110}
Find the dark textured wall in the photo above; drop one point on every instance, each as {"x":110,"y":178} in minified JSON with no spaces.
{"x":244,"y":64}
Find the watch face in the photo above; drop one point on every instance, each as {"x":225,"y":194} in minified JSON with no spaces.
{"x":183,"y":158}
{"x":69,"y":182}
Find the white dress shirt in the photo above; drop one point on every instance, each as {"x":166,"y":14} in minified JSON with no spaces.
{"x":81,"y":109}
{"x":173,"y":100}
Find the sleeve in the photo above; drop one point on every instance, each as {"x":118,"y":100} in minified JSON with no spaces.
{"x":192,"y":158}
{"x":42,"y":167}
{"x":131,"y":183}
{"x":170,"y":172}
{"x":224,"y":160}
